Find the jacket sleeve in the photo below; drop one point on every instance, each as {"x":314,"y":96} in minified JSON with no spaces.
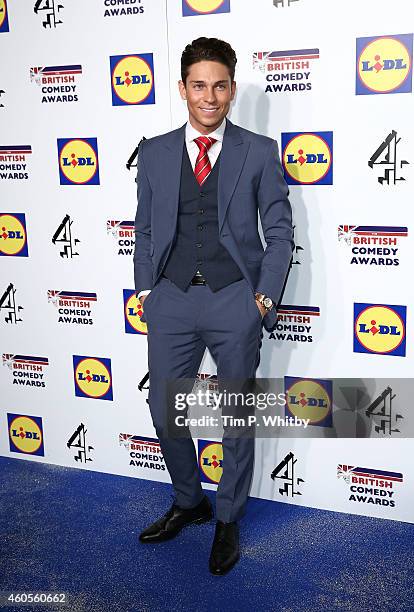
{"x":276,"y":219}
{"x":142,"y":257}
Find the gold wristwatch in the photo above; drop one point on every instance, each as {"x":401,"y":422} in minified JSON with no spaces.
{"x":264,"y":300}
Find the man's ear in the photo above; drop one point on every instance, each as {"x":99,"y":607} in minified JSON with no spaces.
{"x":181,"y":88}
{"x":233,"y":89}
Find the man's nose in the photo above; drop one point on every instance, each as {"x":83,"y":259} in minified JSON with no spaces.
{"x":210,"y":95}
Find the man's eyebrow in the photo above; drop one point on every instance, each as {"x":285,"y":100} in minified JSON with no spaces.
{"x":216,"y":83}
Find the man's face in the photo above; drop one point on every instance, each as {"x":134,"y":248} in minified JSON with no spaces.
{"x":208,"y":91}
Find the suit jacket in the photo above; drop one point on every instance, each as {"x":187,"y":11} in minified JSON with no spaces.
{"x":250,"y":181}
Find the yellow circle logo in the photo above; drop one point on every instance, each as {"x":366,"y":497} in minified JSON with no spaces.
{"x":204,"y":6}
{"x":211,"y":462}
{"x":12,"y":235}
{"x":132,"y":79}
{"x":307,"y":158}
{"x":92,"y":377}
{"x":3,"y":11}
{"x":25,"y":434}
{"x":379,"y":329}
{"x":133,"y":314}
{"x":308,"y":399}
{"x":384,"y":64}
{"x":78,"y":161}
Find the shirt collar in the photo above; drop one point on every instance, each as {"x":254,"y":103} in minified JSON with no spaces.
{"x":191,"y":133}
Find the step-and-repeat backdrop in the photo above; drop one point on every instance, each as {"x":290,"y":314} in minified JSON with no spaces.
{"x":80,"y":84}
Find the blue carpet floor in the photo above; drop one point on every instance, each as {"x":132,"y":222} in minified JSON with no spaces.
{"x":77,"y":531}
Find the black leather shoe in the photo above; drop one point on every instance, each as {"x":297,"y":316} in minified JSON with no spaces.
{"x":225,"y":551}
{"x":175,"y":519}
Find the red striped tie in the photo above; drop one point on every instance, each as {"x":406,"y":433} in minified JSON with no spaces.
{"x":203,"y":167}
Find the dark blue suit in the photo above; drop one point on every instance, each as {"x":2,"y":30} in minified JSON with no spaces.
{"x":181,"y":324}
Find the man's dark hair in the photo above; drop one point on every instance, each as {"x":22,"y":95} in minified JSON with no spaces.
{"x":208,"y":49}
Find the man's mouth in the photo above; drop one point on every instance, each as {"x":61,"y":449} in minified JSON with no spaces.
{"x":209,"y":110}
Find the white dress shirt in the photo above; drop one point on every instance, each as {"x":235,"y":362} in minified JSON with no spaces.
{"x":193,"y":151}
{"x":192,"y":147}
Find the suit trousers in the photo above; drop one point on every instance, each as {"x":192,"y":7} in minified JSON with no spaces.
{"x":181,"y":324}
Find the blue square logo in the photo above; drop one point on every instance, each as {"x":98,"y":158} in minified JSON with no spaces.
{"x":210,"y":461}
{"x":78,"y":161}
{"x":380,"y":329}
{"x":4,"y":17}
{"x":309,"y":398}
{"x":384,"y":64}
{"x":25,"y":434}
{"x":132,"y":79}
{"x":205,"y":7}
{"x":92,"y":377}
{"x":307,"y":158}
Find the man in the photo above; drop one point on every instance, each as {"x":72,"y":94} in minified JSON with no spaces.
{"x":203,"y":277}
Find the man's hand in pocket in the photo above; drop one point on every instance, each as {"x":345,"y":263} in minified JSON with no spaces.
{"x":143,"y":296}
{"x":261,"y":308}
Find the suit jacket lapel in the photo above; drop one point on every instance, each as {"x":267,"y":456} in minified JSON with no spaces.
{"x":171,"y":172}
{"x":233,"y":156}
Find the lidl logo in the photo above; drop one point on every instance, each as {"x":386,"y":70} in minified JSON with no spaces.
{"x":205,"y":7}
{"x":210,"y":461}
{"x":132,"y":79}
{"x":4,"y":19}
{"x":78,"y":161}
{"x":380,"y":329}
{"x":13,"y":236}
{"x":309,"y":398}
{"x":133,"y":313}
{"x":25,"y":434}
{"x":308,"y":158}
{"x":93,"y":377}
{"x":384,"y":64}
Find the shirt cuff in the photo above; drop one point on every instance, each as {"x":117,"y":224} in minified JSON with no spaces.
{"x":143,"y":292}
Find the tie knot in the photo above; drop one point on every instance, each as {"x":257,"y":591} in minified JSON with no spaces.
{"x":204,"y":142}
